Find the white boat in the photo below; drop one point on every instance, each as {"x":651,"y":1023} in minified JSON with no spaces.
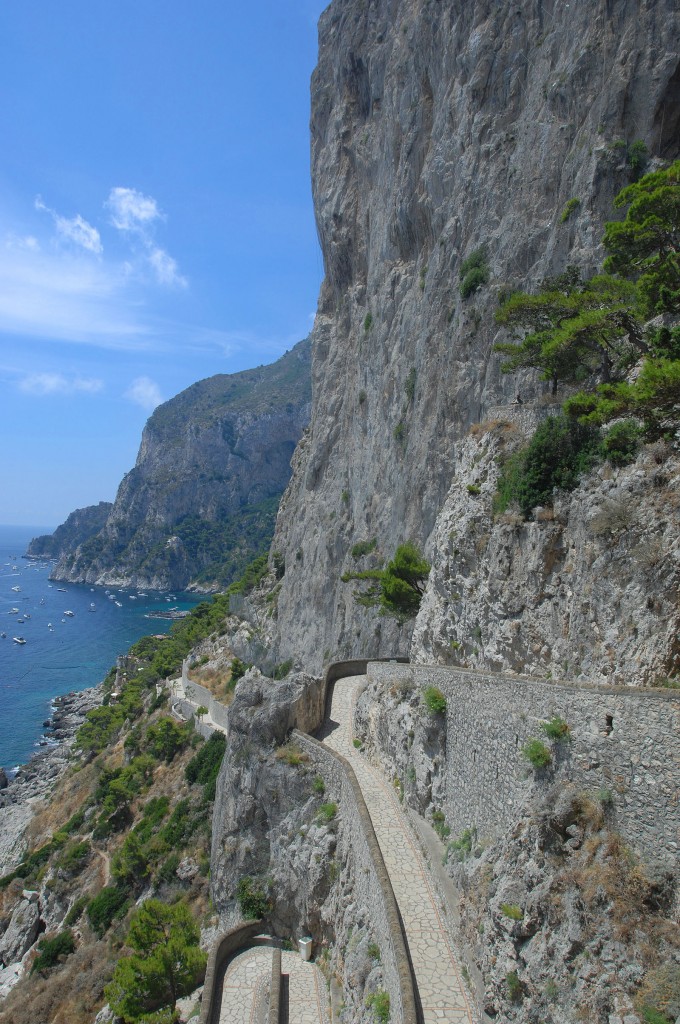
{"x":18,"y":640}
{"x":16,"y":589}
{"x":118,"y":603}
{"x":92,"y":607}
{"x":61,"y":590}
{"x":13,"y":611}
{"x":42,"y":600}
{"x":70,"y":614}
{"x":3,"y":636}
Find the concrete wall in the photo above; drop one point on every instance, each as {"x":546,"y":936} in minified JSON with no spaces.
{"x":622,"y":740}
{"x":220,"y":954}
{"x":372,"y":889}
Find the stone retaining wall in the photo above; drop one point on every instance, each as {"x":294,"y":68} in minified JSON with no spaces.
{"x":200,"y":695}
{"x":622,"y":741}
{"x":372,"y":887}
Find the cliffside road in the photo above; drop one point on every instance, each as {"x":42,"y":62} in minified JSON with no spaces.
{"x":246,"y":988}
{"x":440,"y":986}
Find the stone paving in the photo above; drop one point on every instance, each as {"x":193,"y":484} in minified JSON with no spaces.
{"x":441,"y":989}
{"x":245,"y":991}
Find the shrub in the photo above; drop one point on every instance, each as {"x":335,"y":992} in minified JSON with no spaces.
{"x":252,"y":898}
{"x":373,"y":950}
{"x":364,"y":547}
{"x":556,"y":728}
{"x":76,"y":911}
{"x":327,"y":812}
{"x":570,"y":206}
{"x":379,"y":1002}
{"x":512,"y":911}
{"x":318,"y":785}
{"x":110,"y":903}
{"x":537,"y":753}
{"x":461,"y":848}
{"x":282,"y":670}
{"x":621,"y":443}
{"x":515,"y":990}
{"x":474,"y":489}
{"x":204,"y":766}
{"x":637,"y":158}
{"x":659,"y":996}
{"x":368,"y":322}
{"x":167,"y":738}
{"x":357,"y":743}
{"x":74,"y":856}
{"x":49,"y":950}
{"x":440,"y":826}
{"x":474,"y":272}
{"x":560,"y":450}
{"x":291,"y":754}
{"x":238,"y":670}
{"x":434,"y":700}
{"x":399,"y":587}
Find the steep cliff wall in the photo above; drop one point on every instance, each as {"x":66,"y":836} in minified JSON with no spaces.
{"x":202,"y":496}
{"x":78,"y":528}
{"x":439,"y":128}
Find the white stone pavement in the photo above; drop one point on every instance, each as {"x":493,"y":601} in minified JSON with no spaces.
{"x":441,"y":989}
{"x":247,"y":981}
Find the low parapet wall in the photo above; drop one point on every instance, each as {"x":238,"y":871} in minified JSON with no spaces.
{"x":373,"y":888}
{"x":201,"y":695}
{"x":622,"y":741}
{"x":220,"y":953}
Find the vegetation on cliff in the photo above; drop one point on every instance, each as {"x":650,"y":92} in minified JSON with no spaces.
{"x":593,"y":333}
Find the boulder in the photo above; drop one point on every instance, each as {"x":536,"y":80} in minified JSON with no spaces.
{"x":21,"y":933}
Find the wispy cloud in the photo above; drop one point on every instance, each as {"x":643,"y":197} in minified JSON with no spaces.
{"x":75,"y":230}
{"x":57,"y":384}
{"x":130,"y":210}
{"x":135,"y":214}
{"x":62,"y":296}
{"x":166,"y":269}
{"x":144,"y":392}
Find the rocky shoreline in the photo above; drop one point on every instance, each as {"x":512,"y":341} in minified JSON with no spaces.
{"x":35,"y":780}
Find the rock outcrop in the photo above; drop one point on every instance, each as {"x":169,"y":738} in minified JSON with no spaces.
{"x":76,"y":530}
{"x":439,"y":129}
{"x":202,"y":498}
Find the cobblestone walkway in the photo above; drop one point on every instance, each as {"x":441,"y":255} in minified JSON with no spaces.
{"x":245,"y":993}
{"x":440,"y":986}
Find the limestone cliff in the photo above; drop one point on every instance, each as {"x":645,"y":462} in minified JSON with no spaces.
{"x":202,"y":497}
{"x":78,"y":528}
{"x":439,"y":128}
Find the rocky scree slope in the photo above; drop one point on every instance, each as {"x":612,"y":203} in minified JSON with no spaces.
{"x":439,"y":129}
{"x":202,"y":496}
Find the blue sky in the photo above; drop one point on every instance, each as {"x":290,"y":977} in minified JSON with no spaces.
{"x":156,"y":224}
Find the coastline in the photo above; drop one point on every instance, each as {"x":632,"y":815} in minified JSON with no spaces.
{"x":35,"y":780}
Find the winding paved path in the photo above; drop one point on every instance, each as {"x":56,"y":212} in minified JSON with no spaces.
{"x":441,"y":989}
{"x":245,"y":991}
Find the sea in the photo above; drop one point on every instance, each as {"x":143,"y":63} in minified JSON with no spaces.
{"x":63,"y":651}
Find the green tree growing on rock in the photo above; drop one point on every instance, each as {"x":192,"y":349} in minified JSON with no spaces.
{"x":572,"y":329}
{"x":398,"y":588}
{"x":645,"y":246}
{"x":167,"y":962}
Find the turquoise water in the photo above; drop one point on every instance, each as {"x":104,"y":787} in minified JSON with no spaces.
{"x":76,"y":652}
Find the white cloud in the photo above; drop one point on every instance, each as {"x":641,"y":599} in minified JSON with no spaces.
{"x":57,"y":384}
{"x":135,"y":215}
{"x":131,"y":210}
{"x":165,"y":268}
{"x":144,"y":392}
{"x":74,"y":229}
{"x":67,"y":297}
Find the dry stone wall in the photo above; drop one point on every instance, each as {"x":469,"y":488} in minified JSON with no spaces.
{"x":622,"y":743}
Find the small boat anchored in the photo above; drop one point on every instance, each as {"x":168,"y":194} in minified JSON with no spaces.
{"x":69,"y":614}
{"x":18,"y":640}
